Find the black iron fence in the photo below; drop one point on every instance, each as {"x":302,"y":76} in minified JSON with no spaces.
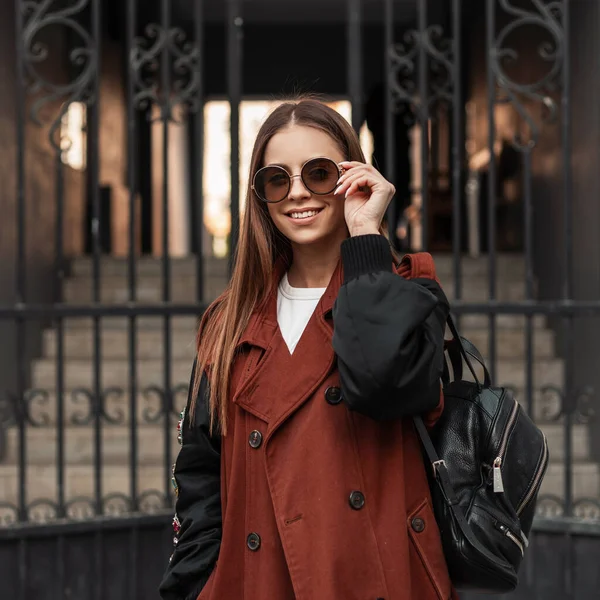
{"x":477,"y":101}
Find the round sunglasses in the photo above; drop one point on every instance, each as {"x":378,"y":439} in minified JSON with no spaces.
{"x":319,"y":175}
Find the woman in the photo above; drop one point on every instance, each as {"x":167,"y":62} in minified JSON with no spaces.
{"x":299,"y":476}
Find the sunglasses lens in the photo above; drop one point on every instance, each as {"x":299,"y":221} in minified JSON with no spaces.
{"x":272,"y":184}
{"x":320,"y":176}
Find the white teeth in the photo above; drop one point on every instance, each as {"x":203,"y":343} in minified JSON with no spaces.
{"x":304,"y":215}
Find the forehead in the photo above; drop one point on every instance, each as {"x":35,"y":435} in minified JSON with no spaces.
{"x":296,"y":144}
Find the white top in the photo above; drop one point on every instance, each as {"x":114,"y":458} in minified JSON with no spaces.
{"x":295,"y":307}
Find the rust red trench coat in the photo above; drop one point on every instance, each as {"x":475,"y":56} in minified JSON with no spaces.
{"x":317,"y":501}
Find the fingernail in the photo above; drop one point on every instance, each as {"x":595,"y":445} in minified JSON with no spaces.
{"x":337,"y":189}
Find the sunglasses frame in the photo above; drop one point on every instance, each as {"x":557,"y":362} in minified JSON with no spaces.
{"x":341,"y":171}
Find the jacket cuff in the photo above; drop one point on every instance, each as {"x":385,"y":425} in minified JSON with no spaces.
{"x":364,"y":254}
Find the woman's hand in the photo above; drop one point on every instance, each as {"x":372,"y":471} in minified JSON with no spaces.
{"x":368,"y":194}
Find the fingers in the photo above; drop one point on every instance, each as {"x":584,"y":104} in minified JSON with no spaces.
{"x":358,"y":184}
{"x":349,"y":180}
{"x":364,"y":176}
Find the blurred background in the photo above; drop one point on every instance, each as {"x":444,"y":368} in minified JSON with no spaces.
{"x":127,"y":128}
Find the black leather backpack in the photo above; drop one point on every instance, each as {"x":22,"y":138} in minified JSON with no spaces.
{"x":486,"y":460}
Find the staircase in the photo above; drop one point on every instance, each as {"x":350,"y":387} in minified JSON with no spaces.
{"x":152,"y":464}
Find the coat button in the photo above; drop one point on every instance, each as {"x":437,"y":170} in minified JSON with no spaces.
{"x":357,"y":500}
{"x":255,"y":439}
{"x":417,"y":524}
{"x":333,"y":395}
{"x":253,"y":542}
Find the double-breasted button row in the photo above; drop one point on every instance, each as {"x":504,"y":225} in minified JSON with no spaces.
{"x":255,"y":439}
{"x":253,"y":541}
{"x":333,"y":395}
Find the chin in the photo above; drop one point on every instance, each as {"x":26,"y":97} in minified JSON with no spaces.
{"x":317,"y":237}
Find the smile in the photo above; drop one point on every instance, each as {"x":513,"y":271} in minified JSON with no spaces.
{"x":305,"y":214}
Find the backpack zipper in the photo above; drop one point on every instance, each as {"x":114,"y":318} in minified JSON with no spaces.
{"x":497,"y":466}
{"x":511,"y":536}
{"x":536,"y":480}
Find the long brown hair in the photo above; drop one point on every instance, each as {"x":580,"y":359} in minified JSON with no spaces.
{"x":259,"y":245}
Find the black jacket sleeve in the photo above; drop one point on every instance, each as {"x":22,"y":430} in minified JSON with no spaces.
{"x":197,"y":481}
{"x":388,"y":334}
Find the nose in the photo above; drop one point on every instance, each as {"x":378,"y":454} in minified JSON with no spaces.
{"x":298,"y":190}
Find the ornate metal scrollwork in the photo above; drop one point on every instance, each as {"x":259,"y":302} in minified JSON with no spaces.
{"x":116,"y":504}
{"x":545,"y":16}
{"x":549,"y":507}
{"x":579,"y":404}
{"x":35,"y":402}
{"x":161,"y":403}
{"x":40,"y":15}
{"x":80,"y":508}
{"x":98,"y":407}
{"x":183,"y":62}
{"x":404,"y":56}
{"x":158,"y":395}
{"x":151,"y":501}
{"x":9,"y":514}
{"x":43,"y":510}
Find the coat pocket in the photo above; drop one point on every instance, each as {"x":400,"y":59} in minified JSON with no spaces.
{"x":428,"y":565}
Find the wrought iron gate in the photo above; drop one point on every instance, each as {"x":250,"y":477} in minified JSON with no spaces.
{"x":486,"y":93}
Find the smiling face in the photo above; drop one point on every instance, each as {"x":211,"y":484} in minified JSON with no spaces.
{"x":303,"y":217}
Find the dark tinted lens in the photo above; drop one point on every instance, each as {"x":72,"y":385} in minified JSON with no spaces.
{"x":320,"y":175}
{"x":272,"y":184}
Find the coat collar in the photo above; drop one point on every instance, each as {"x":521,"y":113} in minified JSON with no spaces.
{"x":285,"y":381}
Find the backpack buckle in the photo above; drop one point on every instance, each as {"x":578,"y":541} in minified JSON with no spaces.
{"x":436,"y":465}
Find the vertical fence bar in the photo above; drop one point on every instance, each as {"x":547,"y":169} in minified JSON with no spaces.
{"x":60,"y":346}
{"x":355,"y":63}
{"x":165,"y":71}
{"x":93,"y":173}
{"x":199,"y":151}
{"x":491,"y":224}
{"x":424,"y":121}
{"x":132,"y":183}
{"x":528,"y":218}
{"x":21,"y":263}
{"x":567,"y":291}
{"x":21,"y":295}
{"x":390,"y":142}
{"x":457,"y":146}
{"x":234,"y":91}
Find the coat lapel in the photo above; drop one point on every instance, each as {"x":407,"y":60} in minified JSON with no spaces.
{"x":276,"y":383}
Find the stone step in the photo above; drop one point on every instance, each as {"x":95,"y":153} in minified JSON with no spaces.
{"x":79,"y":481}
{"x":79,"y":444}
{"x":145,"y":265}
{"x":114,"y":290}
{"x":150,"y":343}
{"x":511,"y":265}
{"x":478,"y":321}
{"x":185,"y":323}
{"x":79,"y":373}
{"x":41,"y":481}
